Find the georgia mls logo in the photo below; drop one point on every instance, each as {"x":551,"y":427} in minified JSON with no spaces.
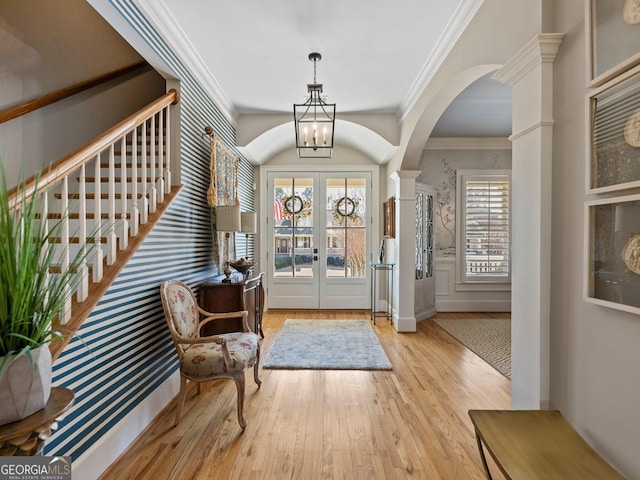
{"x":35,"y":468}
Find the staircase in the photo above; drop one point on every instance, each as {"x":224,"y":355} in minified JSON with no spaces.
{"x":108,"y":195}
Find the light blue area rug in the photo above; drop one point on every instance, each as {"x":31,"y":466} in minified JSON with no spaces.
{"x":327,"y":345}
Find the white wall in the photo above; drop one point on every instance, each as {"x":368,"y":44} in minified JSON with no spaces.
{"x":594,"y":350}
{"x":51,"y":44}
{"x":439,"y":167}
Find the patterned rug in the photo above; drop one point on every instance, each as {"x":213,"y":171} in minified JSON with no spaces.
{"x":327,"y":345}
{"x":489,"y":338}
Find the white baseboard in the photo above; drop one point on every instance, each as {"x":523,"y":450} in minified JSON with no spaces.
{"x":426,"y":314}
{"x":102,"y":454}
{"x":405,"y":324}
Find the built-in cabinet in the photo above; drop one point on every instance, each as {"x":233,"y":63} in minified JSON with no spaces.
{"x":425,"y":286}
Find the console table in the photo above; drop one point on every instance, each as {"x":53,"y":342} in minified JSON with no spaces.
{"x":537,"y":444}
{"x":388,"y":269}
{"x":242,"y":293}
{"x":27,"y":436}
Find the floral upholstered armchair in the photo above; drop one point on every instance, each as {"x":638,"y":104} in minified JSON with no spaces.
{"x":226,"y":355}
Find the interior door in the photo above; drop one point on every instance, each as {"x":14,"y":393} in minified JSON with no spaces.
{"x":425,"y":288}
{"x":319,"y":240}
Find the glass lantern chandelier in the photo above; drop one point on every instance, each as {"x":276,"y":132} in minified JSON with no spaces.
{"x":314,"y":120}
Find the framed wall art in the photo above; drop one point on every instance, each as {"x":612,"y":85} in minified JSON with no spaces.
{"x":613,"y":38}
{"x":613,"y":134}
{"x":389,"y":218}
{"x":613,"y":253}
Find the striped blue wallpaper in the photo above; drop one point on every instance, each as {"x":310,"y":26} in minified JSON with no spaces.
{"x":124,"y":351}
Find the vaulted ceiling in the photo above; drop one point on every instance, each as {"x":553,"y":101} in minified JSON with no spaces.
{"x":377,"y":57}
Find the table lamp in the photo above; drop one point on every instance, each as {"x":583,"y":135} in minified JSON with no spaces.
{"x":227,"y":221}
{"x":249,"y":221}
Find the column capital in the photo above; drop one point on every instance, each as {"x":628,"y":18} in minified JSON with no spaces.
{"x":400,"y":175}
{"x":542,"y":48}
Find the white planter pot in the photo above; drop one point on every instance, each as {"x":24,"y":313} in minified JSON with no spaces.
{"x":25,"y":385}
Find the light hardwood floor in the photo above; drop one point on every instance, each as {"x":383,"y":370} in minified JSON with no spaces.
{"x":411,"y":422}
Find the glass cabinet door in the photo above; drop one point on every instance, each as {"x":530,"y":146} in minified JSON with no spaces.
{"x":424,"y":254}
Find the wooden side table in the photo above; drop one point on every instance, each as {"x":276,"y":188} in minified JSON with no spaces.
{"x":27,"y":436}
{"x":242,"y":293}
{"x":537,"y":444}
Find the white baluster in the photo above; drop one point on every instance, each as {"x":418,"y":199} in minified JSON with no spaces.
{"x":44,"y":199}
{"x":144,"y":215}
{"x":167,"y":172}
{"x":111,"y":208}
{"x":97,"y":215}
{"x":65,"y":315}
{"x":160,"y":158}
{"x":82,"y":271}
{"x":153,"y":195}
{"x":124,"y":223}
{"x":135,"y":214}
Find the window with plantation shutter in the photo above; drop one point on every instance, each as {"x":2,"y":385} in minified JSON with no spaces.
{"x":485,"y":226}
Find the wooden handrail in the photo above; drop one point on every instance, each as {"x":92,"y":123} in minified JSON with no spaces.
{"x":75,"y":159}
{"x":57,"y":95}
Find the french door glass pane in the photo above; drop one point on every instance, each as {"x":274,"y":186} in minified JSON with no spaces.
{"x":293,"y":227}
{"x":346,"y":227}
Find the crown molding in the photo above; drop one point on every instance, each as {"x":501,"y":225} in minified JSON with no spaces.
{"x":468,"y":143}
{"x":452,"y":32}
{"x":167,"y":26}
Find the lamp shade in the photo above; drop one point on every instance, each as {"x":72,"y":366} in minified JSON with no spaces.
{"x":228,"y":218}
{"x":248,"y":222}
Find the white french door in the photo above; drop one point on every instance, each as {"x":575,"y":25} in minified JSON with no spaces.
{"x":319,"y":237}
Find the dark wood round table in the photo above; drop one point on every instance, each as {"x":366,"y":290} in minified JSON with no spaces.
{"x":27,"y":436}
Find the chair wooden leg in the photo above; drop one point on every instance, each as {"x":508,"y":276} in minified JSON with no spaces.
{"x":255,"y":369}
{"x":181,"y":397}
{"x":239,"y":379}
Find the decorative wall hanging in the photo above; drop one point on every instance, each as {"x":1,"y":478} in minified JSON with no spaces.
{"x":613,"y":38}
{"x":613,"y":252}
{"x":631,"y":12}
{"x":614,"y":134}
{"x":632,"y":129}
{"x":389,"y":217}
{"x":631,"y":254}
{"x":223,"y":190}
{"x":212,"y":192}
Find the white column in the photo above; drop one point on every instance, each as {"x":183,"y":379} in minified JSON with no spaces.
{"x":530,"y":74}
{"x":404,"y":317}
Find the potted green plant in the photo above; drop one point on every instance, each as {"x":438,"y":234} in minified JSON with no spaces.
{"x":30,"y":299}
